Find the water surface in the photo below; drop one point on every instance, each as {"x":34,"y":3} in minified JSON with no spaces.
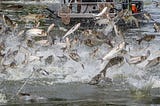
{"x":67,"y":83}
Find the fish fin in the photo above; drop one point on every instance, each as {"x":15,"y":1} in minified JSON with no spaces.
{"x":153,"y":19}
{"x":148,"y":53}
{"x":83,"y":66}
{"x":147,"y":65}
{"x":101,"y":59}
{"x":103,"y":72}
{"x":131,"y":56}
{"x":109,"y":43}
{"x":50,"y":27}
{"x":126,"y":60}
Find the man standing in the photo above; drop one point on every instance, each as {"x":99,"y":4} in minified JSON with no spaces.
{"x":78,"y":5}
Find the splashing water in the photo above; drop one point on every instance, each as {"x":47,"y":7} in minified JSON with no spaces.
{"x":33,"y":63}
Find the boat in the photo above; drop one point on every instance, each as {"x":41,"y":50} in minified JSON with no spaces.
{"x":86,"y":9}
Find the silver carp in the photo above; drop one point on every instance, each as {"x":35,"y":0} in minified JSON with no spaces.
{"x":114,"y":51}
{"x":138,"y":59}
{"x":50,"y":28}
{"x":153,"y":62}
{"x":156,"y":27}
{"x":74,"y":28}
{"x":36,"y":32}
{"x":112,"y":62}
{"x":101,"y":13}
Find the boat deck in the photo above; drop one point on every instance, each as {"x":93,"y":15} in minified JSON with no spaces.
{"x":81,"y":15}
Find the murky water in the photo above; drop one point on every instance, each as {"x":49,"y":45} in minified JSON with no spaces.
{"x":66,"y":83}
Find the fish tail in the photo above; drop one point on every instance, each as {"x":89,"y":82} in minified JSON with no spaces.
{"x":153,"y":19}
{"x":103,"y":72}
{"x":93,"y":82}
{"x":126,"y":60}
{"x":139,"y":41}
{"x":109,"y":43}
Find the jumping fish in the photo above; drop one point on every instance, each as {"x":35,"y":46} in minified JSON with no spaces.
{"x":7,"y":20}
{"x":112,"y":62}
{"x":102,"y":75}
{"x":49,"y":60}
{"x":68,"y":44}
{"x":146,"y":38}
{"x":75,"y":27}
{"x":75,"y":57}
{"x":101,"y":13}
{"x":95,"y":42}
{"x":9,"y":23}
{"x":114,"y":51}
{"x":33,"y":18}
{"x":63,"y":58}
{"x":43,"y":42}
{"x":94,"y":53}
{"x":36,"y":32}
{"x":96,"y":79}
{"x":42,"y":71}
{"x":33,"y":58}
{"x":120,"y":15}
{"x":37,"y":25}
{"x":156,"y":27}
{"x":131,"y":19}
{"x":102,"y":22}
{"x":118,"y":32}
{"x":153,"y":62}
{"x":62,"y":29}
{"x":50,"y":28}
{"x":14,"y":7}
{"x":148,"y":17}
{"x":138,"y":59}
{"x":20,"y":33}
{"x":99,"y":77}
{"x":108,"y":28}
{"x":156,"y":3}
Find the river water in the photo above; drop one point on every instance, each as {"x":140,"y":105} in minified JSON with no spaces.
{"x":65,"y":82}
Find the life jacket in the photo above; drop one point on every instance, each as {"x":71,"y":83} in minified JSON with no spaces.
{"x":134,"y":8}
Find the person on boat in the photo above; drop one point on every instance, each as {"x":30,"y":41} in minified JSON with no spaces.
{"x":134,"y":8}
{"x":78,"y":5}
